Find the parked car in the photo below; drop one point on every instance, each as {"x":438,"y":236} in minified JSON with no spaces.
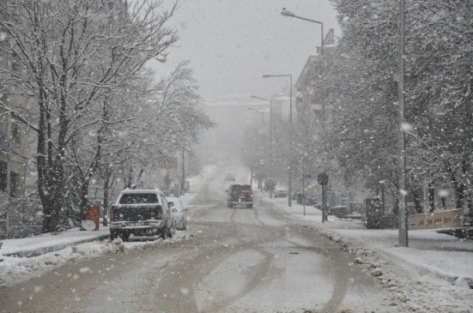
{"x":240,"y":195}
{"x":308,"y":200}
{"x":141,"y":213}
{"x":280,"y":193}
{"x":178,"y":210}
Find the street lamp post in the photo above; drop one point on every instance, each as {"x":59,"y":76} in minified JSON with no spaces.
{"x":289,"y":187}
{"x":270,"y":139}
{"x":260,"y":98}
{"x":287,"y":13}
{"x":403,"y":238}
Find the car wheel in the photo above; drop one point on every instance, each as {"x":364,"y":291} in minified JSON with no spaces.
{"x":249,"y":206}
{"x":169,"y":232}
{"x":113,"y":235}
{"x":124,"y":236}
{"x":229,"y":205}
{"x":172,"y":231}
{"x":184,"y":225}
{"x":164,"y":233}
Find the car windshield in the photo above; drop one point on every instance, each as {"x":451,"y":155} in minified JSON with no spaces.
{"x":134,"y":214}
{"x":136,"y":198}
{"x":237,"y":189}
{"x":318,"y":155}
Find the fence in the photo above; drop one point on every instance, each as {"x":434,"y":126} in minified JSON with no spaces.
{"x":440,"y":219}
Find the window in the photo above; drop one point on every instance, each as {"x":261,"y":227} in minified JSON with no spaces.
{"x":137,"y":198}
{"x":4,"y":145}
{"x":240,"y":189}
{"x":15,"y":131}
{"x":15,"y":67}
{"x":14,"y":184}
{"x":3,"y":176}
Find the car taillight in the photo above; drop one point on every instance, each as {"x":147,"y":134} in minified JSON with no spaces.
{"x":159,"y":214}
{"x":251,"y":195}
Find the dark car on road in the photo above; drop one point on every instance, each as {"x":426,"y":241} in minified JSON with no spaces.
{"x":240,"y":195}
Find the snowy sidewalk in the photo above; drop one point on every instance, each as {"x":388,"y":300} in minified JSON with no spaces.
{"x":429,"y":252}
{"x":38,"y":245}
{"x":34,"y":246}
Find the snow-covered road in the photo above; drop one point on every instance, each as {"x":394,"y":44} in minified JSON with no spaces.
{"x":237,"y":260}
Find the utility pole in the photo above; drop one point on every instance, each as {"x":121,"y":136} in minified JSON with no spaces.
{"x":403,"y":237}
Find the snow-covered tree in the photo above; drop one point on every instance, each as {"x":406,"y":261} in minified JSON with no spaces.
{"x":360,"y":83}
{"x":67,"y":57}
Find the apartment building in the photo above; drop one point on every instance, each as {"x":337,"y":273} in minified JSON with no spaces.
{"x":306,"y":95}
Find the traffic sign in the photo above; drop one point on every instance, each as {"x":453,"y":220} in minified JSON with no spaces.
{"x":322,"y":179}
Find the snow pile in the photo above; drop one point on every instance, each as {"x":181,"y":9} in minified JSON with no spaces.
{"x":407,"y":289}
{"x":433,"y":275}
{"x":14,"y":270}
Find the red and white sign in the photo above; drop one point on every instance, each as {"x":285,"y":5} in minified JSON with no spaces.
{"x":322,"y":179}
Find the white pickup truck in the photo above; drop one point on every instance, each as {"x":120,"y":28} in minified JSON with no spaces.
{"x":141,"y":213}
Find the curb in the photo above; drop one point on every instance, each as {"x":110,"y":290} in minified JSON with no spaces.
{"x":387,"y":256}
{"x":44,"y":250}
{"x":422,"y":270}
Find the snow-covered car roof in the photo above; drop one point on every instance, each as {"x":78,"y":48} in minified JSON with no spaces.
{"x":177,"y":201}
{"x":140,"y":191}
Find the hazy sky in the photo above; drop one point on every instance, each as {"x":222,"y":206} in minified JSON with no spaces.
{"x":232,"y":43}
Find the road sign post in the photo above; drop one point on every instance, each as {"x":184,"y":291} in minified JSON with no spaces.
{"x":303,"y":193}
{"x":324,"y":203}
{"x":322,"y":179}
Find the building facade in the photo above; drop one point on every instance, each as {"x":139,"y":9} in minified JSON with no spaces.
{"x":306,"y":93}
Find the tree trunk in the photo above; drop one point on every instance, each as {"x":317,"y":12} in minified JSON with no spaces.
{"x":459,"y":192}
{"x":183,"y":177}
{"x":106,"y":182}
{"x":416,"y":196}
{"x":431,"y":198}
{"x":396,"y":206}
{"x":84,"y":201}
{"x":51,"y":215}
{"x":470,"y":201}
{"x":129,"y":177}
{"x":459,"y":195}
{"x":52,"y":204}
{"x":383,"y":203}
{"x":46,"y":216}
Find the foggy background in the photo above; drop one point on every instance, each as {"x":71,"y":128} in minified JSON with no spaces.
{"x":230,"y":44}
